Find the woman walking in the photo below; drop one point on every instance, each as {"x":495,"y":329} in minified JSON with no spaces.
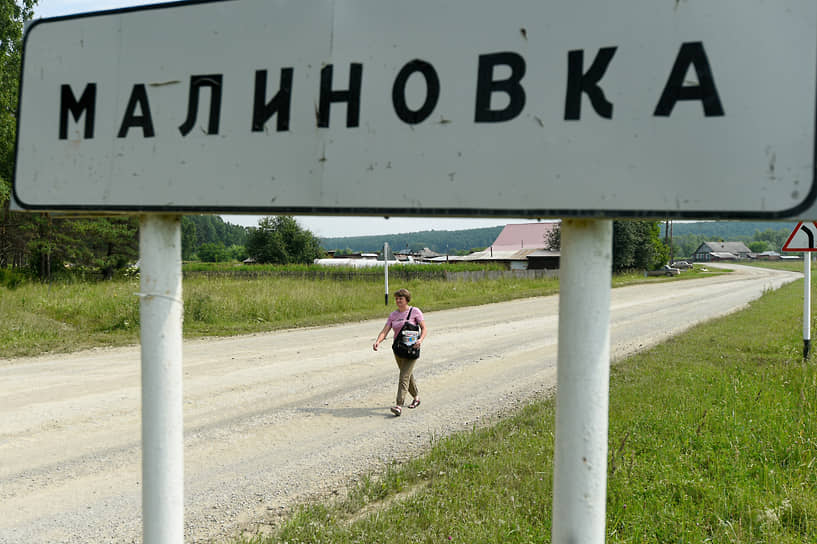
{"x":404,"y":313}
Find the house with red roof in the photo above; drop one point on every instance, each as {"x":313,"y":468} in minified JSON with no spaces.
{"x":521,"y":246}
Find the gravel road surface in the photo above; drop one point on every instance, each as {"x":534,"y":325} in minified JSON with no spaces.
{"x":272,"y":419}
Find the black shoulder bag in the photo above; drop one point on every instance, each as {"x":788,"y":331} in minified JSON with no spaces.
{"x":403,"y":346}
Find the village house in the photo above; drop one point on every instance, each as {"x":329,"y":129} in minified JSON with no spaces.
{"x":721,"y":251}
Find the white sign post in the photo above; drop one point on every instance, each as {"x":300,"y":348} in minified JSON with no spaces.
{"x":160,"y":316}
{"x":578,"y":109}
{"x":583,"y":377}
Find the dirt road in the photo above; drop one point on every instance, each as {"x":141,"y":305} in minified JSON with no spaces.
{"x":271,"y":419}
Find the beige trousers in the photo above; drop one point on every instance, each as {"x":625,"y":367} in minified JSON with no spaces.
{"x":406,"y":383}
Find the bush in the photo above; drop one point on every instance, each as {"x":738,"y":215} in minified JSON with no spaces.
{"x":11,"y":278}
{"x":214,"y":253}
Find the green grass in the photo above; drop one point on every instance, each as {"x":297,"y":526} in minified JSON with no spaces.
{"x":713,"y":438}
{"x":67,"y":316}
{"x":433,"y":269}
{"x":791,"y":266}
{"x":63,"y":317}
{"x":226,"y":306}
{"x":698,"y":271}
{"x":714,"y":433}
{"x":39,"y":318}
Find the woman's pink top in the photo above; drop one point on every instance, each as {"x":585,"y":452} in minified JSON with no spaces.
{"x":397,"y":318}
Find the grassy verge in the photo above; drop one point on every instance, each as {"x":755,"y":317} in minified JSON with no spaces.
{"x":68,"y":316}
{"x":713,"y":438}
{"x":697,"y":272}
{"x":63,"y":317}
{"x":791,"y":266}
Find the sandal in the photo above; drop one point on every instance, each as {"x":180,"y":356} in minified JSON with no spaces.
{"x":415,"y":403}
{"x":396,"y":410}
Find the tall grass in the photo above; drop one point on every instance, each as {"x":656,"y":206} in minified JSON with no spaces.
{"x":713,"y":438}
{"x":71,"y":315}
{"x":306,"y":269}
{"x":39,"y":318}
{"x":714,"y":433}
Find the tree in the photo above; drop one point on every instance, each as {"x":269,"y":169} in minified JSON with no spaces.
{"x":190,"y":238}
{"x":237,"y":252}
{"x":45,"y":246}
{"x":686,"y":244}
{"x":209,"y":229}
{"x":775,"y":238}
{"x":636,"y":244}
{"x":758,"y":246}
{"x":12,"y":16}
{"x":108,"y":244}
{"x":50,"y":245}
{"x":553,"y":238}
{"x":281,"y":240}
{"x":213,"y":253}
{"x":18,"y":232}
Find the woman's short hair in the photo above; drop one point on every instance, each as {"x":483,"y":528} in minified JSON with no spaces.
{"x":403,"y":293}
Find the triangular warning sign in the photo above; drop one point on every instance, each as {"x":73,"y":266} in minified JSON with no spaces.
{"x":802,"y":238}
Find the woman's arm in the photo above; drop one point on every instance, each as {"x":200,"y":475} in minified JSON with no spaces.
{"x":423,"y":332}
{"x":381,"y":336}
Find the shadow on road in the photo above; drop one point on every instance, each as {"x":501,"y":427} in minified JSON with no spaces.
{"x":350,"y":413}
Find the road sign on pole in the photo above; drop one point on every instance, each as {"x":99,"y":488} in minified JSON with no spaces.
{"x":369,"y":107}
{"x":802,"y":238}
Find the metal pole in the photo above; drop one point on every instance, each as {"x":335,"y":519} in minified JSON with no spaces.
{"x":583,"y":377}
{"x":160,"y":315}
{"x":386,"y":268}
{"x":806,"y":304}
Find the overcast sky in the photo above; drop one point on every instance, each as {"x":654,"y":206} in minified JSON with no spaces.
{"x":325,"y":226}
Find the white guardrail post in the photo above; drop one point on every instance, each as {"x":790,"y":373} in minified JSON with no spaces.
{"x":583,"y":377}
{"x":806,"y":303}
{"x":386,"y":269}
{"x":160,"y":315}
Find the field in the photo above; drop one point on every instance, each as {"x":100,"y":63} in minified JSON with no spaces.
{"x":72,"y":315}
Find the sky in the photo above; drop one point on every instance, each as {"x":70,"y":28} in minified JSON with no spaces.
{"x":323,"y":226}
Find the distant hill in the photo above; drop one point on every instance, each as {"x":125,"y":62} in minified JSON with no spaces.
{"x":441,"y":241}
{"x":685,"y":236}
{"x":728,"y":231}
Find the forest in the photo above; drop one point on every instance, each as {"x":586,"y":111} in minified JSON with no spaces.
{"x":445,"y":242}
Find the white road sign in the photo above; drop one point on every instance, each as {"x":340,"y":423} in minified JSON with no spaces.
{"x":634,"y":108}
